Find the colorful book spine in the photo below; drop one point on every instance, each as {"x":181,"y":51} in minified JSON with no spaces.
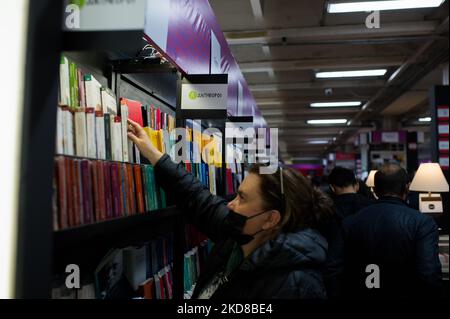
{"x":139,"y":192}
{"x":91,"y":133}
{"x":108,"y":153}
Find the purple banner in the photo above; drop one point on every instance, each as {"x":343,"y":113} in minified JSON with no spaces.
{"x":395,"y":137}
{"x":189,"y":26}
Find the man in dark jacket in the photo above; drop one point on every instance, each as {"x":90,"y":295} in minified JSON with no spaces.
{"x":391,"y":250}
{"x":347,"y":202}
{"x":345,"y":187}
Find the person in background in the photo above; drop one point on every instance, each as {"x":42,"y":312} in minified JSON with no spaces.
{"x":267,"y":239}
{"x":401,"y":242}
{"x":345,"y":187}
{"x":343,"y":190}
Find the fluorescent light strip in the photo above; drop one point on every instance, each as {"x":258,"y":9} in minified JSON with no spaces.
{"x":335,"y":104}
{"x":318,"y":142}
{"x":348,"y":74}
{"x":382,"y":5}
{"x":329,"y":121}
{"x":425,"y":119}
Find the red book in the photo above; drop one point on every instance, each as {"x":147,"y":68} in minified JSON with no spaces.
{"x":158,"y":119}
{"x":61,"y":174}
{"x":122,"y":190}
{"x":79,"y":215}
{"x":131,"y":189}
{"x":101,"y":190}
{"x":139,"y":189}
{"x":126,"y":190}
{"x":93,"y":167}
{"x":87,"y":192}
{"x":115,"y":189}
{"x":108,"y":191}
{"x":161,"y":288}
{"x":70,"y":172}
{"x":134,"y":110}
{"x":76,"y":194}
{"x":229,"y":181}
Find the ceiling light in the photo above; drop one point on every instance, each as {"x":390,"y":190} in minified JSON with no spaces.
{"x":349,"y":74}
{"x":425,"y":119}
{"x":382,"y":5}
{"x":329,"y":121}
{"x":318,"y":142}
{"x":335,"y":104}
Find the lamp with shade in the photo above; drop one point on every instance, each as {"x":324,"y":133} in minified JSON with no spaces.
{"x":429,"y":178}
{"x":370,"y":182}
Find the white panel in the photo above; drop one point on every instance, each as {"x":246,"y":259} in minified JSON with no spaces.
{"x":157,"y":21}
{"x":13,"y":32}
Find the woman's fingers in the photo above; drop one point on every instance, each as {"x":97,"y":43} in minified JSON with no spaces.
{"x":133,"y":137}
{"x":135,"y":127}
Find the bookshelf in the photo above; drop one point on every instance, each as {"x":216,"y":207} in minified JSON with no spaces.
{"x":43,"y":253}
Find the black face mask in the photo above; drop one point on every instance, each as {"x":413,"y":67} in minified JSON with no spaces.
{"x":244,"y":238}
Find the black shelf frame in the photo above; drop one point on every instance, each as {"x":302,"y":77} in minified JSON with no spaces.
{"x":43,"y":253}
{"x":88,"y":243}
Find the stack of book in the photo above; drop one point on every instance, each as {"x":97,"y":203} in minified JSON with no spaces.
{"x":88,"y":191}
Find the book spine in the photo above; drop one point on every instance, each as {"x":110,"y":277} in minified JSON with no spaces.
{"x":131,"y":188}
{"x":140,"y":197}
{"x":91,"y":133}
{"x":125,"y":140}
{"x":123,"y":174}
{"x":62,"y":172}
{"x":108,"y":191}
{"x":78,"y":212}
{"x":145,"y":188}
{"x":64,"y":81}
{"x":70,"y":192}
{"x":100,"y":135}
{"x":73,"y":85}
{"x":81,"y":89}
{"x":59,"y":131}
{"x":116,"y":138}
{"x":101,"y":191}
{"x":114,"y":190}
{"x":107,"y":118}
{"x":93,"y":167}
{"x":87,"y":191}
{"x":92,"y":91}
{"x":80,"y":133}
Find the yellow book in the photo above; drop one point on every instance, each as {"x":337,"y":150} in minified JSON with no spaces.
{"x":155,"y":138}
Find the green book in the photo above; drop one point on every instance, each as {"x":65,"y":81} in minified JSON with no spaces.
{"x":73,"y":81}
{"x":152,"y":188}
{"x":146,"y":188}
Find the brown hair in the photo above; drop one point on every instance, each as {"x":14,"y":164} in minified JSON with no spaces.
{"x":304,"y":206}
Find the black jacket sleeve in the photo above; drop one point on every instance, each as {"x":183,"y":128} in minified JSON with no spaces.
{"x":209,"y":213}
{"x":428,"y":265}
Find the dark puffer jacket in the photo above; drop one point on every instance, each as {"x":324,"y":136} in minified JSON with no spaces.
{"x":288,"y":266}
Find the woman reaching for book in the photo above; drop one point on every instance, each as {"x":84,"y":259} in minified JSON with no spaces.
{"x":267,"y":239}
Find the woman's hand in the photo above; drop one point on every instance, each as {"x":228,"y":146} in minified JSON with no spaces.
{"x":139,"y":137}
